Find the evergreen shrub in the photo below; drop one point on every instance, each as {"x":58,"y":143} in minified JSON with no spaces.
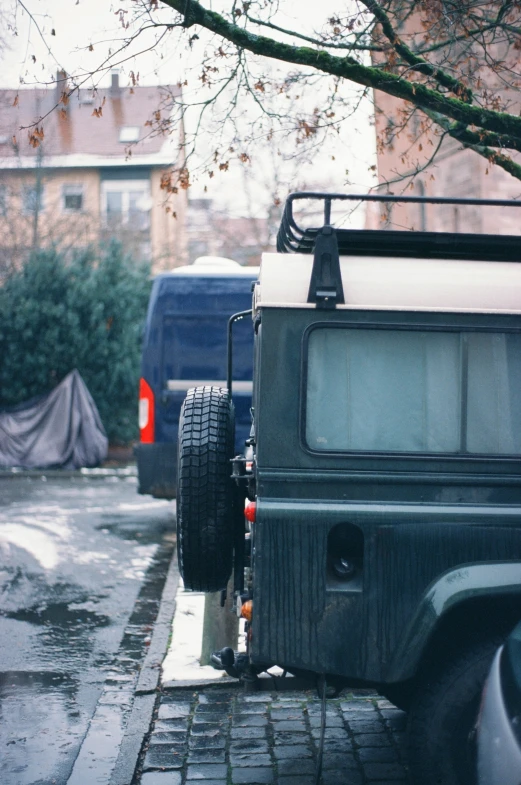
{"x":86,"y":313}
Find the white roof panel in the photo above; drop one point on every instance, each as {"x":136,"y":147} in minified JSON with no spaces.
{"x":215,"y":266}
{"x":389,"y":283}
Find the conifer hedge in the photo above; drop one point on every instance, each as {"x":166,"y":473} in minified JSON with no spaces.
{"x":85,"y":313}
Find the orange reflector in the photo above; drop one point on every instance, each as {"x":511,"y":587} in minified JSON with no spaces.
{"x":250,"y":511}
{"x":247,"y":610}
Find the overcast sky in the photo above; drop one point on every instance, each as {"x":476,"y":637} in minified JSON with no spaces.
{"x":36,"y":53}
{"x":77,"y":24}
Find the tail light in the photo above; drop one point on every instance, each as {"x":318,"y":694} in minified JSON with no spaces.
{"x":247,"y":610}
{"x":146,"y":412}
{"x":250,"y":511}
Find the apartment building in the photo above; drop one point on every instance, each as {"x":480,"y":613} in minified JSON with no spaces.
{"x":80,"y":171}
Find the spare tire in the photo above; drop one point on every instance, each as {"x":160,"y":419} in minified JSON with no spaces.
{"x":205,"y":521}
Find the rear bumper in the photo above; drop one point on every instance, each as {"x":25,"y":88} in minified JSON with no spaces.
{"x":157,"y":469}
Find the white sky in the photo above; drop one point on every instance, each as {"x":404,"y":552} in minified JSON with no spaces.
{"x":77,"y":24}
{"x":80,"y":23}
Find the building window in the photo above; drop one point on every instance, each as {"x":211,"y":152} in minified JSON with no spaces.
{"x":114,"y":208}
{"x":145,"y":250}
{"x":127,"y":203}
{"x":32,"y":198}
{"x":72,"y":198}
{"x":129,"y":133}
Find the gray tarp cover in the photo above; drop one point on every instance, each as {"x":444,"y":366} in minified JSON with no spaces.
{"x":62,"y":429}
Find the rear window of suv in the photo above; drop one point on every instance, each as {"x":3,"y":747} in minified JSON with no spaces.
{"x":413,"y":391}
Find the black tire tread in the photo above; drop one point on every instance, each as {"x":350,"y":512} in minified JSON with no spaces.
{"x":434,"y":717}
{"x":204,"y":489}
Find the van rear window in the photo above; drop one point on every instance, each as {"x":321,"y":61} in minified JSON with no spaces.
{"x":413,"y":391}
{"x":194,"y":347}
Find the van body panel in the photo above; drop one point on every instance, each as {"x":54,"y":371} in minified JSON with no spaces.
{"x":381,"y":540}
{"x":402,"y":518}
{"x":305,"y":618}
{"x":184,"y":345}
{"x":465,"y":583}
{"x":156,"y":466}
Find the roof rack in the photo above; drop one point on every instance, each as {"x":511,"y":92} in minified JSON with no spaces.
{"x":327,"y":243}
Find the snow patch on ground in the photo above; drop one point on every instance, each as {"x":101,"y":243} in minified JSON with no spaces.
{"x":182,"y":660}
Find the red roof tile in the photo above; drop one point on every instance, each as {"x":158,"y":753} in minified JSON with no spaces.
{"x":77,"y":130}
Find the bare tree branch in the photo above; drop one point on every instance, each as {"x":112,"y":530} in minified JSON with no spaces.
{"x":353,"y":70}
{"x":457,"y":63}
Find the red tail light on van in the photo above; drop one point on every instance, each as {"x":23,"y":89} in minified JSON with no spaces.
{"x":146,"y":412}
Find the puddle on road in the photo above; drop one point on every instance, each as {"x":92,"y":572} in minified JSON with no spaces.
{"x":64,"y":635}
{"x":49,"y":701}
{"x":22,"y":590}
{"x":45,"y":716}
{"x":134,"y":530}
{"x":61,"y":616}
{"x":80,"y":585}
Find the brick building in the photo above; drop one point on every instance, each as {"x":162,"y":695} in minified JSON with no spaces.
{"x":455,"y":172}
{"x":213,"y":232}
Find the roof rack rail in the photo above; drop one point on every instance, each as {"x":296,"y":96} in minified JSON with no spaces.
{"x":327,"y":243}
{"x":293,"y":238}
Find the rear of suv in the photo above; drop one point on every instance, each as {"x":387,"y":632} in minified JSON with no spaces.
{"x":383,"y":546}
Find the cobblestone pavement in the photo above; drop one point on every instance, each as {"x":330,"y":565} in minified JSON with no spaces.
{"x":225,"y":736}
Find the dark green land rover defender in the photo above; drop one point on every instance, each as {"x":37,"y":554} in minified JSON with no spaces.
{"x":383,"y":473}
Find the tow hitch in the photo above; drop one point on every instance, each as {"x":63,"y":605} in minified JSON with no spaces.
{"x":235,"y":663}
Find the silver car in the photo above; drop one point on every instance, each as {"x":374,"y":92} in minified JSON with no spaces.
{"x":499,"y":732}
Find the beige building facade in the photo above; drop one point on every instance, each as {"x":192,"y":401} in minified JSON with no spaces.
{"x":95,"y":173}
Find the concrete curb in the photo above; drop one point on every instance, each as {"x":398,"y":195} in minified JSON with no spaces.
{"x":54,"y":474}
{"x":146,"y":691}
{"x":188,"y":684}
{"x":136,"y":731}
{"x":151,"y":671}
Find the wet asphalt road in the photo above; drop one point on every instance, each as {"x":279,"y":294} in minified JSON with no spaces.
{"x":82,"y":566}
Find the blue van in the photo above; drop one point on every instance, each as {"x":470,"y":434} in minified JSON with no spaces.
{"x":185,"y":346}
